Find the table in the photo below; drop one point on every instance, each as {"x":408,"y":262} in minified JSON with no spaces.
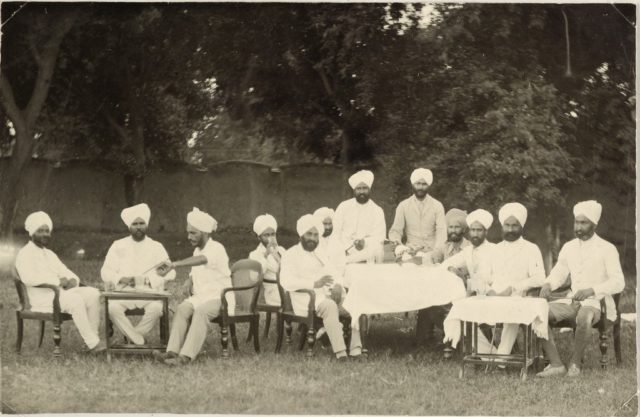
{"x":466,"y":315}
{"x":395,"y":288}
{"x":136,"y":296}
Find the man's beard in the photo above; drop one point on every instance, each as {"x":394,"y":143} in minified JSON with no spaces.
{"x":362,"y":198}
{"x":138,"y":235}
{"x":420,"y":194}
{"x":309,"y":245}
{"x":42,"y":241}
{"x":583,"y":234}
{"x":454,"y":237}
{"x":327,"y":232}
{"x":477,"y":241}
{"x":511,"y":236}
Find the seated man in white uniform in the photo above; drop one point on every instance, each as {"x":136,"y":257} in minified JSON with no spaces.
{"x":359,"y":223}
{"x":477,"y":261}
{"x":210,"y":274}
{"x":37,"y":265}
{"x":269,"y":254}
{"x":303,"y":267}
{"x":136,"y":255}
{"x":517,"y":267}
{"x":596,"y":273}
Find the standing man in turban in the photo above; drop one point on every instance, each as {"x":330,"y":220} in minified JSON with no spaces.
{"x":596,"y":273}
{"x":210,"y":274}
{"x":518,"y":265}
{"x":456,"y":228}
{"x":328,"y":242}
{"x":36,"y":265}
{"x":359,"y":222}
{"x":420,"y":218}
{"x":131,"y":256}
{"x":304,"y":267}
{"x":269,"y":254}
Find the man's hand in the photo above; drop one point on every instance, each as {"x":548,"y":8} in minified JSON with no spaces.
{"x":584,"y":294}
{"x":164,"y":268}
{"x":336,"y":293}
{"x":545,"y":291}
{"x":325,"y":280}
{"x":71,"y":283}
{"x":63,"y":283}
{"x":130,"y":281}
{"x":359,"y":244}
{"x":186,"y":288}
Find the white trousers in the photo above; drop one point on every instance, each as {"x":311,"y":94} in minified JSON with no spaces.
{"x":152,"y":312}
{"x":328,"y":310}
{"x":507,"y":339}
{"x":83,"y":303}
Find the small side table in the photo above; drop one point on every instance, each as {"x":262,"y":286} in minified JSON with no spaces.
{"x":136,"y":296}
{"x":468,"y":313}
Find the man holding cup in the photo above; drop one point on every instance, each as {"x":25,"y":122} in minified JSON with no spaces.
{"x":269,"y":254}
{"x":130,"y":265}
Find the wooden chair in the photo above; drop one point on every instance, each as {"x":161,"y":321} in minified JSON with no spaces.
{"x":308,"y":324}
{"x":246,"y":278}
{"x":23,"y":312}
{"x":268,"y":309}
{"x":602,"y":325}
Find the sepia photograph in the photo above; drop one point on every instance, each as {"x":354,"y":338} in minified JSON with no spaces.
{"x":313,"y":208}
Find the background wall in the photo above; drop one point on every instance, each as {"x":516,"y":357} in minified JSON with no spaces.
{"x":80,"y":196}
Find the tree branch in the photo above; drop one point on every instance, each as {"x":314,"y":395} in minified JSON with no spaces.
{"x":568,"y":73}
{"x":121,"y":131}
{"x":46,"y":65}
{"x":9,"y":103}
{"x":34,"y":51}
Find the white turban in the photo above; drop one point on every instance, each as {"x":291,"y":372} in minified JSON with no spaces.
{"x":422,"y":174}
{"x":263,"y":222}
{"x":324,"y":212}
{"x":363,"y":176}
{"x":129,"y":214}
{"x":36,"y":220}
{"x":202,"y":221}
{"x":482,"y":216}
{"x":516,"y":210}
{"x":308,"y":222}
{"x":591,"y":209}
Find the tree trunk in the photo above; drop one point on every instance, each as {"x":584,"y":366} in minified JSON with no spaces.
{"x":24,"y":120}
{"x":345,"y":161}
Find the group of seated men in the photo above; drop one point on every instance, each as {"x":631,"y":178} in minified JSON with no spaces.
{"x":330,"y":240}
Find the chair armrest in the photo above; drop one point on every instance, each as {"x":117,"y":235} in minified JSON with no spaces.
{"x":224,"y":292}
{"x":269,"y":281}
{"x":56,"y":300}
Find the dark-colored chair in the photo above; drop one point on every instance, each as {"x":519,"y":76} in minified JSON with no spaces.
{"x":23,"y":312}
{"x":268,"y":309}
{"x":246,"y":280}
{"x":602,"y":325}
{"x":307,"y":324}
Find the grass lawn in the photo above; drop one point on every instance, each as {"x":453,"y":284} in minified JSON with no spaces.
{"x":398,"y":378}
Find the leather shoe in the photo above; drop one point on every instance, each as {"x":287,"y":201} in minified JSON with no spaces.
{"x":552,"y":371}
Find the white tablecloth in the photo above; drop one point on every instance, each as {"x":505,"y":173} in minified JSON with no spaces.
{"x":492,"y":310}
{"x":393,"y":288}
